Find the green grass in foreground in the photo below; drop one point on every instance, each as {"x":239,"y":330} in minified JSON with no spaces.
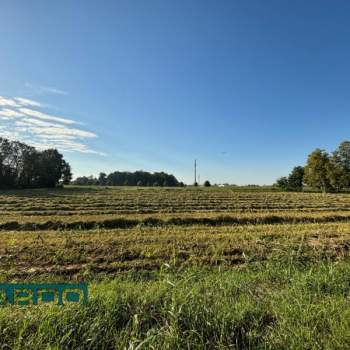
{"x":263,"y":306}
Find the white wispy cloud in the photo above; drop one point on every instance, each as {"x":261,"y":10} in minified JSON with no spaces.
{"x":53,"y":90}
{"x":27,"y":102}
{"x":36,"y":122}
{"x":63,"y":131}
{"x":8,"y":102}
{"x":40,"y":129}
{"x":40,"y":115}
{"x":6,"y":112}
{"x":40,"y":90}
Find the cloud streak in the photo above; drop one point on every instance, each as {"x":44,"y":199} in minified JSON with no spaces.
{"x":6,"y":112}
{"x":8,"y":102}
{"x":40,"y":115}
{"x":19,"y":120}
{"x":26,"y":102}
{"x":40,"y":90}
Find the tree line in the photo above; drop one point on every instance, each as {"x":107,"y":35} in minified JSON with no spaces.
{"x":323,"y":171}
{"x":23,"y":166}
{"x":125,"y":178}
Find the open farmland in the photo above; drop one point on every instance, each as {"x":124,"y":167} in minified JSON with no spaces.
{"x":113,"y":207}
{"x":179,"y":268}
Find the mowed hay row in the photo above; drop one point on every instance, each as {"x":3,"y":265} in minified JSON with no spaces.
{"x":92,"y":201}
{"x":89,"y":222}
{"x":84,"y":254}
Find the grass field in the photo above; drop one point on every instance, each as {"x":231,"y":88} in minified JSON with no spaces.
{"x":181,"y":268}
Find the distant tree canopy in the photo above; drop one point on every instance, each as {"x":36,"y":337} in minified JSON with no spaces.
{"x":294,"y":182}
{"x":323,"y":171}
{"x":22,"y":166}
{"x":124,"y":178}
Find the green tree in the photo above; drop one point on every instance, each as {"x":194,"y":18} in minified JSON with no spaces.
{"x":22,"y":166}
{"x":317,"y":170}
{"x":124,"y":178}
{"x":296,"y":179}
{"x":207,"y":183}
{"x":282,"y":183}
{"x":102,"y":179}
{"x":339,"y":171}
{"x":66,"y":173}
{"x":50,"y":167}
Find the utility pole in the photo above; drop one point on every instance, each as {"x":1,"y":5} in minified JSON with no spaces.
{"x":195,"y":172}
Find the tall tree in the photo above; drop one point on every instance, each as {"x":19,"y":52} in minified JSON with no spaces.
{"x":66,"y":173}
{"x":296,"y":179}
{"x":50,"y":168}
{"x":340,"y":167}
{"x":22,"y":166}
{"x":317,"y":170}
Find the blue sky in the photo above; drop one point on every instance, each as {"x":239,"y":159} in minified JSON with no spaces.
{"x":248,"y":88}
